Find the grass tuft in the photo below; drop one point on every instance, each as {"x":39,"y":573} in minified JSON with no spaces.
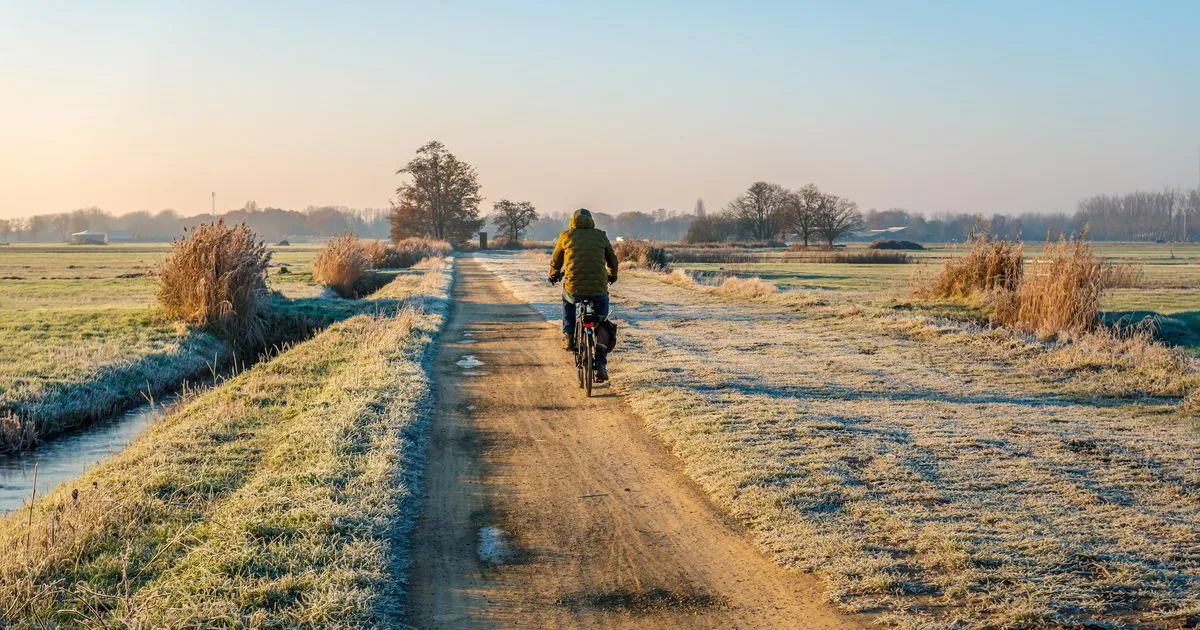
{"x":410,"y":251}
{"x":215,"y":278}
{"x":644,"y":254}
{"x":990,"y":264}
{"x":1060,"y":296}
{"x":342,"y":265}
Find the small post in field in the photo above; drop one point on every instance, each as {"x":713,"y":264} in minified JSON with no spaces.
{"x":483,"y":240}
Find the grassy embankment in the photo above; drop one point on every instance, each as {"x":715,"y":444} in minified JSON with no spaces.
{"x":91,"y":341}
{"x":281,"y":498}
{"x":929,"y":471}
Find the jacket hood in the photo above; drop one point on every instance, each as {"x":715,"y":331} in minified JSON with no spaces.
{"x":582,"y":219}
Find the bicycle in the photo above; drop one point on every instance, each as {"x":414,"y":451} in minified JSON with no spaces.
{"x":585,"y":343}
{"x":586,"y":321}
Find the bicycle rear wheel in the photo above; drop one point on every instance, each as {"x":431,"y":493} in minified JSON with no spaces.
{"x":589,"y":364}
{"x":579,"y":357}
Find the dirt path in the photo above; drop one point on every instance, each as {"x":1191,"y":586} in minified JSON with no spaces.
{"x":546,"y":509}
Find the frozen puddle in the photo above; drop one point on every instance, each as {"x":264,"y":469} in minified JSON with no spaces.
{"x":492,"y":547}
{"x":468,"y":340}
{"x":468,"y":361}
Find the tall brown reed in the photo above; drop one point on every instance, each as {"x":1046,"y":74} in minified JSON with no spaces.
{"x":341,"y":264}
{"x":1061,"y":293}
{"x":644,"y":254}
{"x":376,"y":252}
{"x":1123,"y":276}
{"x":16,"y":433}
{"x":215,"y":277}
{"x":408,"y":252}
{"x":989,"y":265}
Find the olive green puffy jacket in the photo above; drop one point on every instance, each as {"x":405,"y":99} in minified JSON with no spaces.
{"x":585,"y":257}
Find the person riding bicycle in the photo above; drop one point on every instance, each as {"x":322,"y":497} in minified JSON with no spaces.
{"x":585,"y":258}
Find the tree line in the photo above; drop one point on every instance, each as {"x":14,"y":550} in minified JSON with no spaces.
{"x":441,"y":198}
{"x":272,"y":224}
{"x":1167,"y":215}
{"x":769,"y":212}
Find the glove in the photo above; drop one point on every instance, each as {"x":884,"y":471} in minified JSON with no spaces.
{"x":554,"y":277}
{"x":612,"y":279}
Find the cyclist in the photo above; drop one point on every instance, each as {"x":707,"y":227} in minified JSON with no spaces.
{"x":585,"y":258}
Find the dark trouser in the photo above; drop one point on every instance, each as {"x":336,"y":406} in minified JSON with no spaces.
{"x":599,"y":307}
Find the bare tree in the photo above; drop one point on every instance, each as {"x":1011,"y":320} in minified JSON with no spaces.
{"x":761,"y":210}
{"x":802,"y":211}
{"x":837,"y":217}
{"x":512,"y":217}
{"x":712,"y":228}
{"x":442,"y":200}
{"x":700,"y":209}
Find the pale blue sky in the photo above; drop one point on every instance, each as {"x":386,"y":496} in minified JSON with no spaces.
{"x":962,"y":106}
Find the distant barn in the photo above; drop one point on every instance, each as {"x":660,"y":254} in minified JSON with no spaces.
{"x":89,"y":237}
{"x":120,"y":236}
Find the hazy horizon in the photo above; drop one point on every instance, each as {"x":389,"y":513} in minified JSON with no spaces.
{"x":930,"y":107}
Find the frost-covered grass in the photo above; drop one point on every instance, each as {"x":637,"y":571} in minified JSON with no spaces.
{"x":928,"y":470}
{"x":82,"y":337}
{"x":282,"y":498}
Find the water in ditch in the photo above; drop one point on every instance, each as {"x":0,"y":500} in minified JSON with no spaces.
{"x":66,"y":457}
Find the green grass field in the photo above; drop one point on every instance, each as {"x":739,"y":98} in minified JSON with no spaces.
{"x":91,"y":340}
{"x":270,"y":501}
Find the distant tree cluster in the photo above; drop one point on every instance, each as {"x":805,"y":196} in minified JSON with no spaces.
{"x":657,"y":225}
{"x":272,"y":224}
{"x":808,"y":214}
{"x":768,"y":212}
{"x":1168,"y":215}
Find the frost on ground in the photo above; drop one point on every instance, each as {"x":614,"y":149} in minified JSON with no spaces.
{"x":929,"y":472}
{"x":282,"y":498}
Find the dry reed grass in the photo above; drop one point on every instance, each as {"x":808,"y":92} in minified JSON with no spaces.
{"x":644,"y":254}
{"x":215,"y":278}
{"x":1123,"y":276}
{"x":990,"y":264}
{"x":747,"y":288}
{"x":376,"y":252}
{"x":1060,"y":296}
{"x":341,"y":265}
{"x":408,"y":252}
{"x":17,"y":433}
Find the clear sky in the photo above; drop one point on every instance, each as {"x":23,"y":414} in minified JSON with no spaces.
{"x":961,"y":106}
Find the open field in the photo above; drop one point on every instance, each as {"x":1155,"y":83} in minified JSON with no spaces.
{"x":92,"y":341}
{"x":1170,"y":282}
{"x":930,"y":472}
{"x":280,"y":498}
{"x":69,"y":276}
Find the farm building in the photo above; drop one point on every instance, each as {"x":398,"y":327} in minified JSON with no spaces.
{"x":120,"y":236}
{"x":89,"y":237}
